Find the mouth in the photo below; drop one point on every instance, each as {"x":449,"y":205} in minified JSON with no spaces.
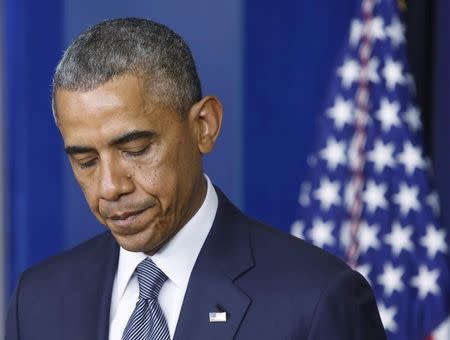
{"x":126,"y":215}
{"x":127,"y":222}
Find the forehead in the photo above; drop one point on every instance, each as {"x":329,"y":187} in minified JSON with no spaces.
{"x":116,"y":107}
{"x":125,"y":92}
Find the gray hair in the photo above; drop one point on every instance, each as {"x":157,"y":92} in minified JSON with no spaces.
{"x":131,"y":45}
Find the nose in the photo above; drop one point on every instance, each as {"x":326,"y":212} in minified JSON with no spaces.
{"x":114,"y":181}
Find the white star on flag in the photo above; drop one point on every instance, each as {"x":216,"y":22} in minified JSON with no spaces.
{"x":391,"y":279}
{"x":412,"y":118}
{"x":388,"y":114}
{"x":321,"y":233}
{"x":327,"y":193}
{"x":334,"y":153}
{"x":387,"y":315}
{"x":382,"y":155}
{"x":297,"y":229}
{"x":426,"y":281}
{"x":411,"y":158}
{"x":349,"y":72}
{"x":377,"y":29}
{"x":368,"y":237}
{"x":399,"y":238}
{"x":393,"y":74}
{"x":355,"y":31}
{"x":396,"y":32}
{"x":407,"y":198}
{"x":434,"y":241}
{"x":374,"y":196}
{"x":341,"y":112}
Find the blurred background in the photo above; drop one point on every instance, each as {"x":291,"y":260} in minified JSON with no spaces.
{"x":270,"y":62}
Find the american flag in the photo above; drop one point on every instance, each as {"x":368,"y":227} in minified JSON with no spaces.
{"x":369,"y":198}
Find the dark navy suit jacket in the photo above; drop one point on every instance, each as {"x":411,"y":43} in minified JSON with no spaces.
{"x":271,"y":285}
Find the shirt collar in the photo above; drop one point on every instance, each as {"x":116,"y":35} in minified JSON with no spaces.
{"x":177,"y":258}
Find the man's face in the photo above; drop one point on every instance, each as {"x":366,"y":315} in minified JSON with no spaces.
{"x":137,"y":162}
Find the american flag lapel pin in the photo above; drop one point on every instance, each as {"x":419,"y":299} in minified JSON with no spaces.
{"x":219,"y":316}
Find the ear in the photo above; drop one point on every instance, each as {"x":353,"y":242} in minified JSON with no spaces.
{"x":205,"y":117}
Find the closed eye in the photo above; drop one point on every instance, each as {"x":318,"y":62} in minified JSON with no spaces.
{"x":137,"y":152}
{"x":87,"y":164}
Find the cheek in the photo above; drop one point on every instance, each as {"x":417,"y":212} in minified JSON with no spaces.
{"x":162,"y":180}
{"x":157,"y":174}
{"x":158,"y":181}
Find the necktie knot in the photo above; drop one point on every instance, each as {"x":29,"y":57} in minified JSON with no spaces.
{"x":150,"y":278}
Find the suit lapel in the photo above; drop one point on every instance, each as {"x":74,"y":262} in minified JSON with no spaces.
{"x":86,"y":305}
{"x":225,"y":256}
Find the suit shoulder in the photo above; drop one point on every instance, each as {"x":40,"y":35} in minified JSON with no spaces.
{"x":280,"y":249}
{"x":73,"y":260}
{"x":280,"y":252}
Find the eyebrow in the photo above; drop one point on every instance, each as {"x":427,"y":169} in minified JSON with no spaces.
{"x":126,"y":138}
{"x":131,"y":136}
{"x":72,"y":150}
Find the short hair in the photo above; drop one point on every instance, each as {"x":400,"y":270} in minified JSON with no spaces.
{"x":131,"y":45}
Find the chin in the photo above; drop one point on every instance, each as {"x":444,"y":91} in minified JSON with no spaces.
{"x":132,"y":243}
{"x":135,"y":243}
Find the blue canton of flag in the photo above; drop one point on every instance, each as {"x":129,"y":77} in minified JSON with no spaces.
{"x":369,"y":198}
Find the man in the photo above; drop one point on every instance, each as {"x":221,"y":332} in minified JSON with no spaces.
{"x":179,"y":260}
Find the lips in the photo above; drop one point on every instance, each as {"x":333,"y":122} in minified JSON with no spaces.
{"x":125,"y":215}
{"x":128,"y":222}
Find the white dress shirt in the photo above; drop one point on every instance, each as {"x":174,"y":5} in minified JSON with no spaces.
{"x":176,"y":259}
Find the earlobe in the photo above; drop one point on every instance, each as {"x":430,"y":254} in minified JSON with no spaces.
{"x":207,"y":115}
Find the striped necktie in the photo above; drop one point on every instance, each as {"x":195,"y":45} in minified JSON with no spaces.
{"x":147,"y":321}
